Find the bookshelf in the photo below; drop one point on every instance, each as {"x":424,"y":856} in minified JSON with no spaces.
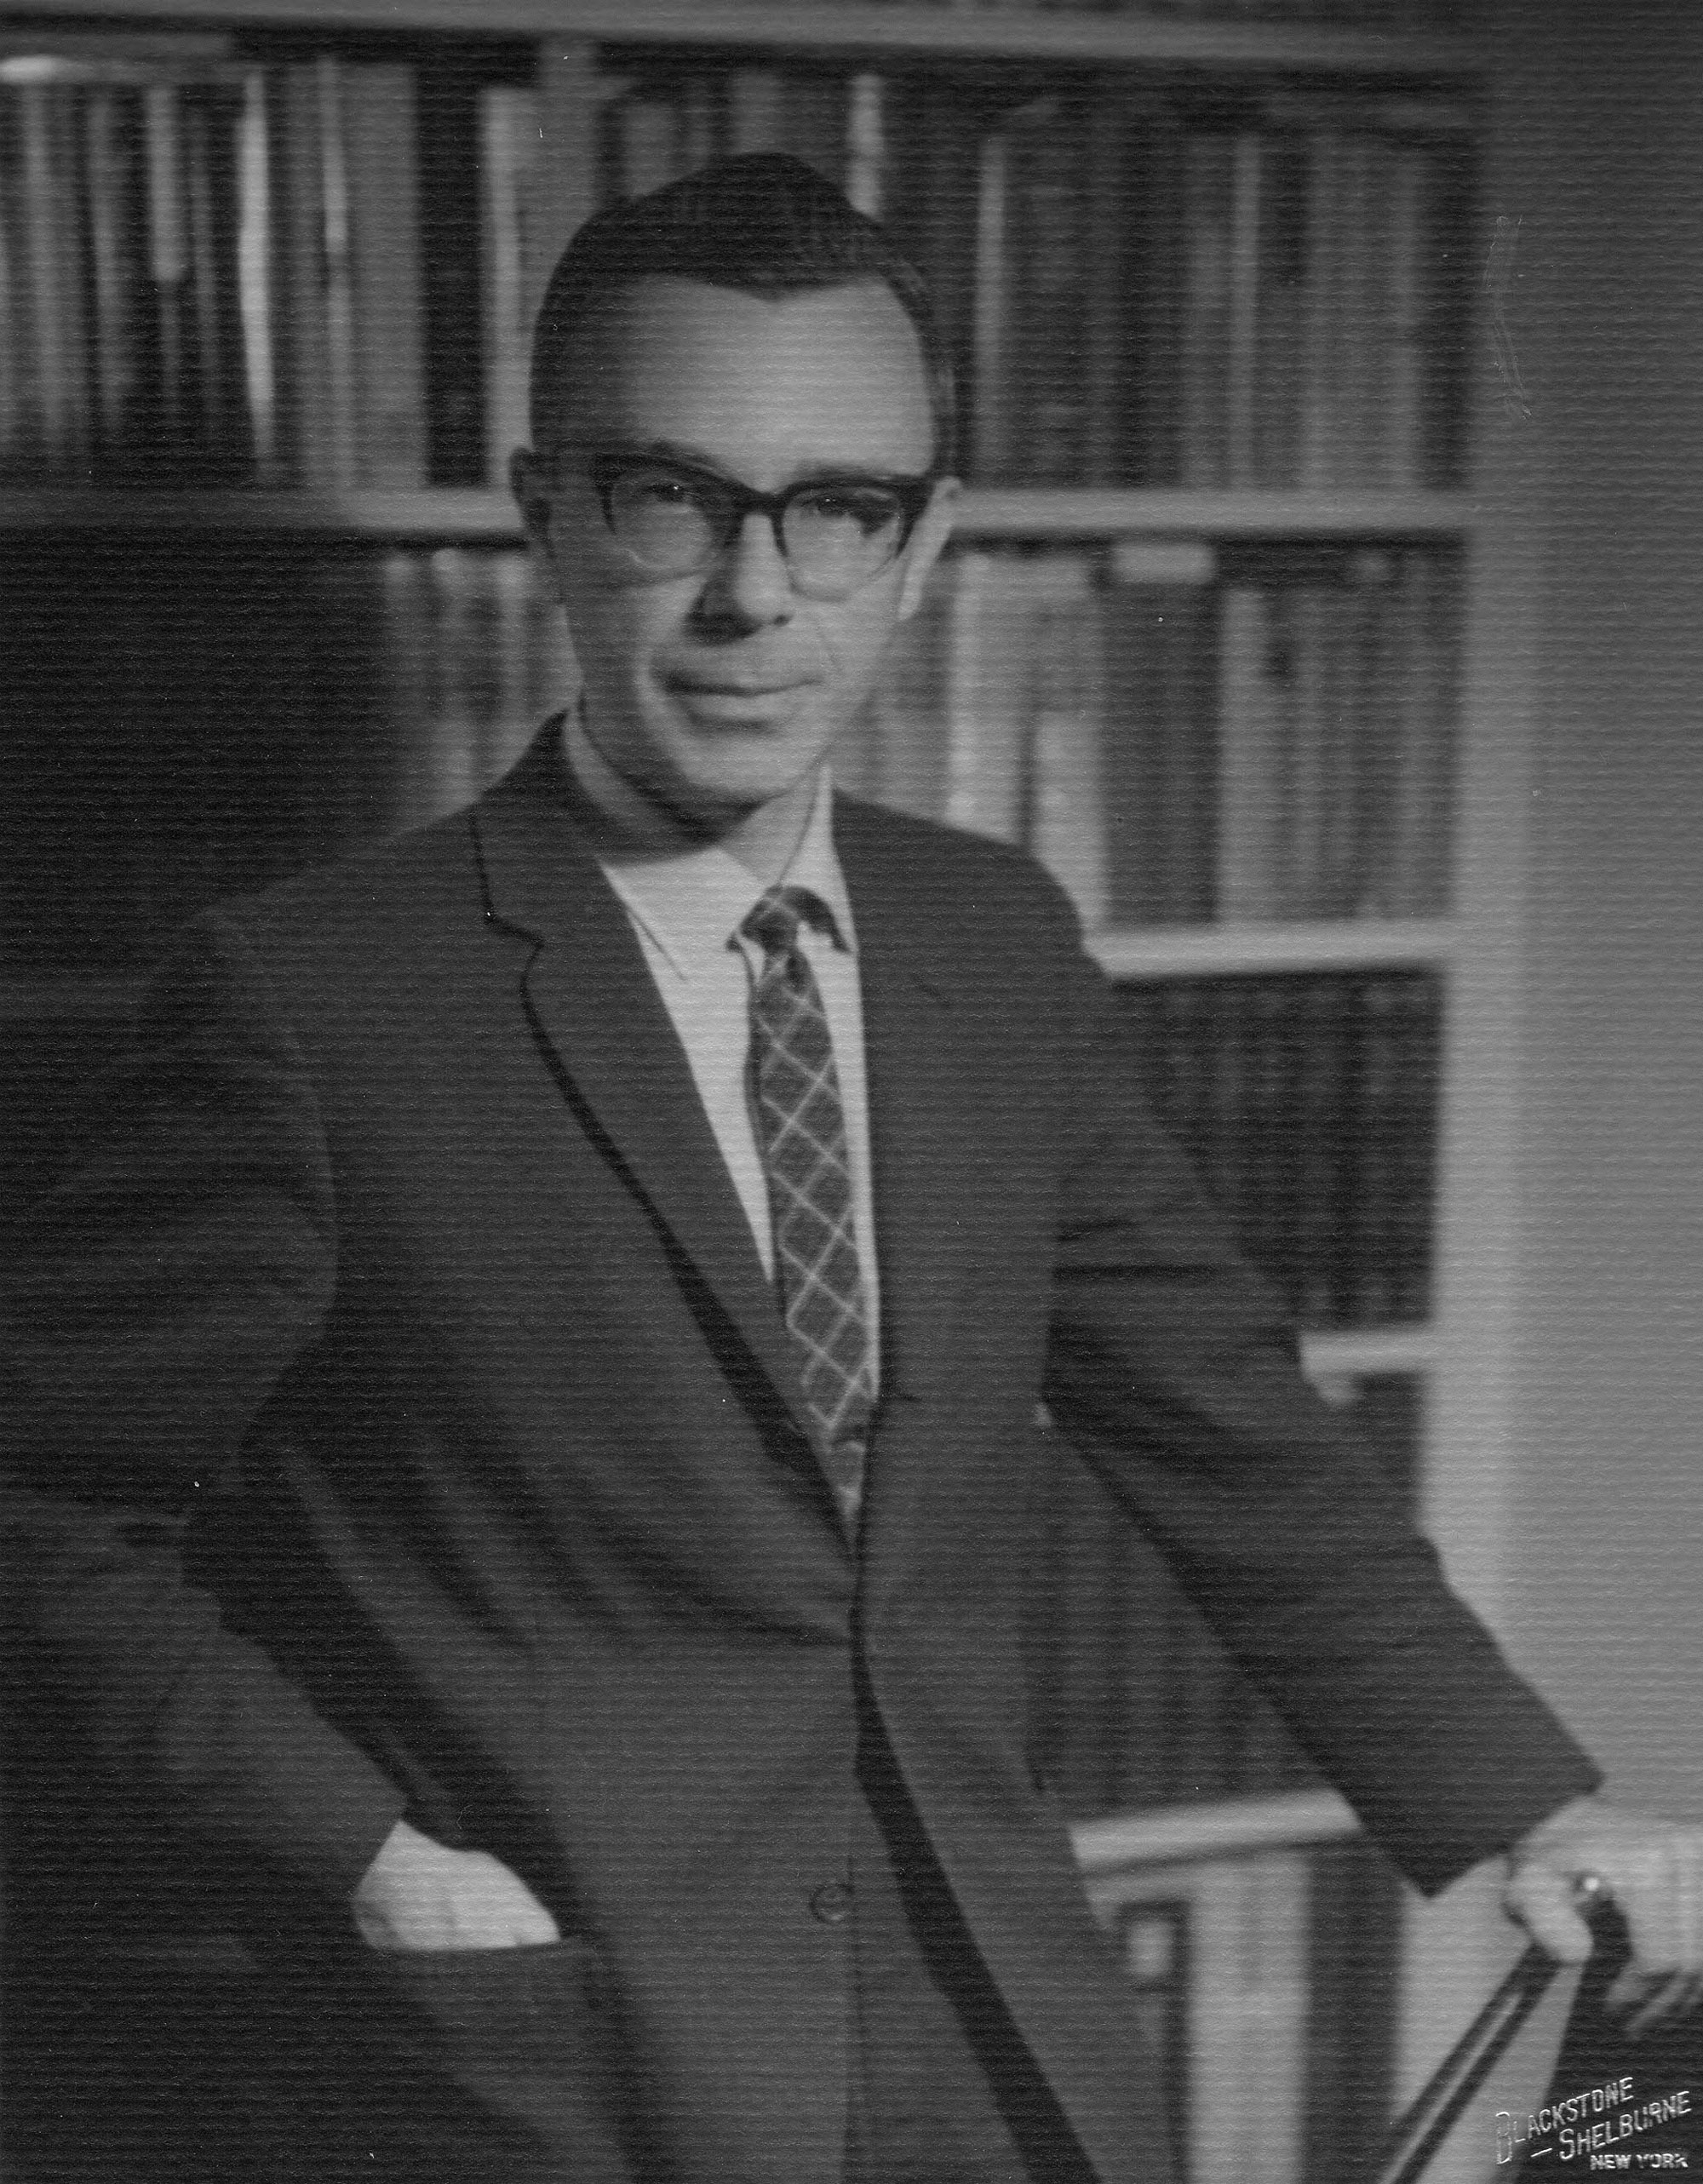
{"x":1198,"y":641}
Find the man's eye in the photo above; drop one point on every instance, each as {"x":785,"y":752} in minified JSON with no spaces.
{"x":660,"y":488}
{"x":868,"y":512}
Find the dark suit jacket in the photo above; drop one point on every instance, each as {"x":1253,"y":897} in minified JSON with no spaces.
{"x":408,"y":1266}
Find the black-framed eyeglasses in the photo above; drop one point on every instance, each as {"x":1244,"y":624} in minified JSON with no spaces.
{"x":835,"y":533}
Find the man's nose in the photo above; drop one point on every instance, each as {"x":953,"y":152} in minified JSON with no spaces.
{"x":750,"y":582}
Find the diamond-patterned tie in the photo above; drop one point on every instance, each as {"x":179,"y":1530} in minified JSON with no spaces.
{"x":801,"y":1130}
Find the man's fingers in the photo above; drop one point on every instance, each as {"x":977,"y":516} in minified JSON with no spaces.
{"x":1640,"y":2001}
{"x":1545,"y":1901}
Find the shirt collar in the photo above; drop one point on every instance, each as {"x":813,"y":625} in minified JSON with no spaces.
{"x":691,"y":899}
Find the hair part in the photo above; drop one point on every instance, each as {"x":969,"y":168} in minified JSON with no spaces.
{"x":762,"y":223}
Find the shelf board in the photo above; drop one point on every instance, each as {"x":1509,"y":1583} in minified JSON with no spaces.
{"x":1226,"y":951}
{"x":439,"y":514}
{"x":1355,"y":1353}
{"x":1052,"y":510}
{"x":1237,"y":1828}
{"x":445,"y":514}
{"x":855,"y":28}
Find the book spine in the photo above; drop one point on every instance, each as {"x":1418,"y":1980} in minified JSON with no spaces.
{"x":1068,"y":813}
{"x":1243,"y":311}
{"x":1371,"y":735}
{"x":907,"y":735}
{"x":993,"y":425}
{"x":1305,"y":764}
{"x":1280,"y":333}
{"x":383,"y":195}
{"x":701,"y":131}
{"x":1155,"y":305}
{"x":1250,"y":761}
{"x":1325,"y":219}
{"x":17,"y":422}
{"x":1423,"y":725}
{"x":647,"y":142}
{"x":215,"y":422}
{"x":1403,"y":415}
{"x":987,"y":699}
{"x":1208,"y":343}
{"x":1364,"y":332}
{"x":111,"y":143}
{"x":1324,"y":1131}
{"x":1158,"y":761}
{"x":256,"y":262}
{"x":866,"y":143}
{"x":1328,"y":891}
{"x":509,"y":141}
{"x":48,"y":202}
{"x":1104,"y":219}
{"x":336,"y":271}
{"x":754,"y":108}
{"x":310,"y":436}
{"x":1047,"y":289}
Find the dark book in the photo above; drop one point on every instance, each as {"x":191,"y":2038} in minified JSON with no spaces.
{"x":1308,"y":1103}
{"x":933,"y":130}
{"x":453,"y":293}
{"x":1279,"y":349}
{"x":1039,"y":373}
{"x":1159,"y":765}
{"x":1210,"y":366}
{"x":115,"y":185}
{"x":1154,"y":306}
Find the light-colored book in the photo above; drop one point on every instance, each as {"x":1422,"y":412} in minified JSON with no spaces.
{"x":510,"y":143}
{"x":1067,"y":815}
{"x":986,"y":733}
{"x":1250,"y":762}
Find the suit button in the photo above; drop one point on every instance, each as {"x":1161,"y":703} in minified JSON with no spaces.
{"x":832,"y":1903}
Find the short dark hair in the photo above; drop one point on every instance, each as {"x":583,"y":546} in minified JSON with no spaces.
{"x":762,"y":223}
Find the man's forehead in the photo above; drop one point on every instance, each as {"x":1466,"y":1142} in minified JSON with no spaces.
{"x":813,"y":377}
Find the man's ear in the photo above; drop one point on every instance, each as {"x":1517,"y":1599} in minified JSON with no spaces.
{"x":530,"y":486}
{"x":529,"y":480}
{"x":923,"y":548}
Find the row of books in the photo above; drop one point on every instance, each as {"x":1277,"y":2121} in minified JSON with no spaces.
{"x":1140,"y":1706}
{"x":322,"y":270}
{"x":1266,"y":288}
{"x":1409,"y":16}
{"x":477,"y":654}
{"x":317,"y":699}
{"x":1308,"y":1102}
{"x":1185,"y":732}
{"x":133,"y":339}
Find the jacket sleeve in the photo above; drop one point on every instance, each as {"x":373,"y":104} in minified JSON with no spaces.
{"x":1175,"y":1374}
{"x":159,"y":1295}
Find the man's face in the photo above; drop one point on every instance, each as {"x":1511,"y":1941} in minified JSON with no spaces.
{"x":722,"y":691}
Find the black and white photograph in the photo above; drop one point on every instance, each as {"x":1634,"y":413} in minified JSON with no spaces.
{"x":851,"y":1198}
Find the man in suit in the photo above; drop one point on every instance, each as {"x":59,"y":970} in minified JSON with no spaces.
{"x":527,"y":1417}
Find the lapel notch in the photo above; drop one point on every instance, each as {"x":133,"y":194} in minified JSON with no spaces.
{"x":593,"y":1002}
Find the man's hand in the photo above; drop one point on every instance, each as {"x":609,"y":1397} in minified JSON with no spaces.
{"x":1654,"y":1870}
{"x":418,"y":1895}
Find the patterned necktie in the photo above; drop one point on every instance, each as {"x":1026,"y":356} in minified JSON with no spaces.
{"x":801,"y":1128}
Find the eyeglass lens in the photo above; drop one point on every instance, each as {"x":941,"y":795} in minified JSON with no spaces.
{"x":835,"y":537}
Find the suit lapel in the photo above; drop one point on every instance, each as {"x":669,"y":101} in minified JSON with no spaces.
{"x":925,"y":1099}
{"x":594,"y":1003}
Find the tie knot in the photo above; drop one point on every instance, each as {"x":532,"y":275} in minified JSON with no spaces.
{"x":773,"y":922}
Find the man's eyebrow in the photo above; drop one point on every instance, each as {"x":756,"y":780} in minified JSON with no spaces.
{"x":687,"y":457}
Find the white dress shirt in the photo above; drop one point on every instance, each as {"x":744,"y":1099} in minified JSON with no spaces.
{"x":686,"y":906}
